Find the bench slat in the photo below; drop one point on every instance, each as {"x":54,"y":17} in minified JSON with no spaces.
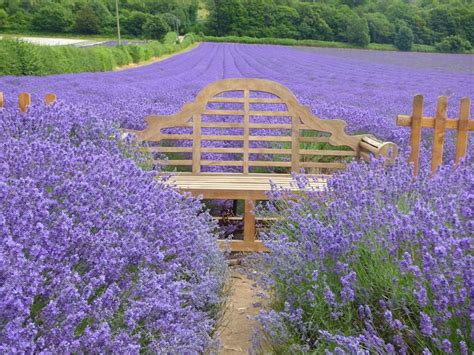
{"x":251,"y":113}
{"x":253,"y":100}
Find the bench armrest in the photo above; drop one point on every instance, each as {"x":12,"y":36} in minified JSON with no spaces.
{"x":371,"y":146}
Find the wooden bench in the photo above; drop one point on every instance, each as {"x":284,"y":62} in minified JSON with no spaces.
{"x":241,"y":133}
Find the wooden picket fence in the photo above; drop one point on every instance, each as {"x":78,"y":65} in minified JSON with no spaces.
{"x":24,"y":100}
{"x":440,"y":123}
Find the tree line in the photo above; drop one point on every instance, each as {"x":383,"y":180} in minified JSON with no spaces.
{"x":447,"y":24}
{"x":139,"y":18}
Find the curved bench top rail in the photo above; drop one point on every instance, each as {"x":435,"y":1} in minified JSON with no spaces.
{"x":291,"y":140}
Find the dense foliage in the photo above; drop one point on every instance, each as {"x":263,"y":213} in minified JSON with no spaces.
{"x":30,"y":59}
{"x":310,"y":43}
{"x":95,"y":253}
{"x":380,"y":263}
{"x":355,"y":22}
{"x":97,"y":16}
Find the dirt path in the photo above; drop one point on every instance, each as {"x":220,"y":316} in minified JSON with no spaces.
{"x":238,"y":324}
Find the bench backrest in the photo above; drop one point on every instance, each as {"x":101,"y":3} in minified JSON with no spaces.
{"x":250,"y":125}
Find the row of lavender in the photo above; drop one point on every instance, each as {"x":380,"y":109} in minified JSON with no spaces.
{"x":96,"y":254}
{"x":381,"y":264}
{"x":324,"y":296}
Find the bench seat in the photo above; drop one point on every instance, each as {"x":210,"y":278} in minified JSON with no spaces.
{"x":250,"y":188}
{"x":238,"y":186}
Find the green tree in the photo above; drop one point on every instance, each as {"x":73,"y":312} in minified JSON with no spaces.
{"x":443,"y":22}
{"x":381,"y":30}
{"x":3,"y":19}
{"x":344,"y":16}
{"x":403,"y":39}
{"x":155,"y":27}
{"x":100,"y":8}
{"x":173,"y":21}
{"x":286,"y":20}
{"x":354,"y":3}
{"x":358,"y":32}
{"x":87,"y":21}
{"x":52,"y":17}
{"x":454,"y":44}
{"x":414,"y":17}
{"x":312,"y":25}
{"x":467,"y":24}
{"x":133,"y":24}
{"x":226,"y":17}
{"x":20,"y":21}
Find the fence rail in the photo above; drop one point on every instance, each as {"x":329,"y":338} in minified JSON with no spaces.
{"x":24,"y":100}
{"x":440,"y":123}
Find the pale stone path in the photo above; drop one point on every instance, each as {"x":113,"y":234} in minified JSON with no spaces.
{"x":238,"y":324}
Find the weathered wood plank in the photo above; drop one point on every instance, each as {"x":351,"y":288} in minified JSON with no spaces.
{"x":415,"y":135}
{"x":462,"y":138}
{"x":253,"y":100}
{"x":251,"y":113}
{"x":173,"y":162}
{"x":439,"y":132}
{"x":50,"y":98}
{"x":197,"y":143}
{"x":429,"y":122}
{"x":295,"y":143}
{"x":246,"y":132}
{"x":221,"y":163}
{"x":167,"y":149}
{"x":24,"y":101}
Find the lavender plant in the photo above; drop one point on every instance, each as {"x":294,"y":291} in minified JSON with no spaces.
{"x":95,"y":253}
{"x":380,"y":263}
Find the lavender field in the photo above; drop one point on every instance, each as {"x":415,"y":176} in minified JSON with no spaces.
{"x":366,"y":88}
{"x":96,"y":255}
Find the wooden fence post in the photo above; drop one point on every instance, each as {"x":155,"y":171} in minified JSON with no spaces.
{"x":24,"y":100}
{"x":463,"y":125}
{"x":415,"y":135}
{"x":439,"y":131}
{"x":49,"y":99}
{"x":461,"y":143}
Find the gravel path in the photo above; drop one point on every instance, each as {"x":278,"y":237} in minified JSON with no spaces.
{"x":239,"y":322}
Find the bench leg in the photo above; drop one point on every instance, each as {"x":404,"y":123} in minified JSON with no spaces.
{"x":249,"y":221}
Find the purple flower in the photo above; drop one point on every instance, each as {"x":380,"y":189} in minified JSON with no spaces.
{"x":426,"y":325}
{"x":447,"y":346}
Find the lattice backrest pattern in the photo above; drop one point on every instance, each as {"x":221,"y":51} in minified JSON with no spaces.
{"x":248,"y":125}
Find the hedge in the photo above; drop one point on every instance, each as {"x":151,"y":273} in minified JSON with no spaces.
{"x":29,"y":59}
{"x":309,"y":43}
